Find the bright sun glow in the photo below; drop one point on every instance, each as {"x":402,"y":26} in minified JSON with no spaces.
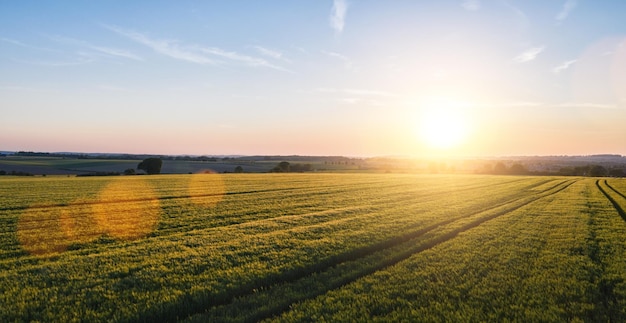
{"x":442,"y":124}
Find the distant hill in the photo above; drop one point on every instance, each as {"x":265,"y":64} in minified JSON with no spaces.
{"x":40,"y":163}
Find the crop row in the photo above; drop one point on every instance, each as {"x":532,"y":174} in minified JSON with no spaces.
{"x":269,"y":300}
{"x":558,"y":258}
{"x":264,"y":231}
{"x":617,"y":198}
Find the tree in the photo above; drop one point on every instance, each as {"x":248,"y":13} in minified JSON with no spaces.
{"x":300,"y":168}
{"x":282,"y":167}
{"x":617,"y":172}
{"x":500,"y":168}
{"x":238,"y":169}
{"x":597,"y":171}
{"x":151,"y":165}
{"x":517,"y":169}
{"x":129,"y":171}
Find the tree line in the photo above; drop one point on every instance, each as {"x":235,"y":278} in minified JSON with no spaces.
{"x":588,"y":170}
{"x":286,"y":167}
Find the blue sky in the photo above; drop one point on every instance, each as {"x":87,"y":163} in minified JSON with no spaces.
{"x":357,"y":78}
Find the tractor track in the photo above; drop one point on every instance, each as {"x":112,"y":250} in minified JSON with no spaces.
{"x":616,"y":205}
{"x":401,"y":247}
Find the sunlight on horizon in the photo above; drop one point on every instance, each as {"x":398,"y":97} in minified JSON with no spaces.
{"x":443,"y":123}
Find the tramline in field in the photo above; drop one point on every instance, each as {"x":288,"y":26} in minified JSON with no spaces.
{"x":320,"y":246}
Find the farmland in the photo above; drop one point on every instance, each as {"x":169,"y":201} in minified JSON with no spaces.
{"x":322,"y":247}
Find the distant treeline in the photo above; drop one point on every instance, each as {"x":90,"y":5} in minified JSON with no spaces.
{"x":286,"y":167}
{"x":339,"y":160}
{"x":592,"y":170}
{"x":114,"y":156}
{"x":100,"y":174}
{"x":587,"y":170}
{"x":14,"y":173}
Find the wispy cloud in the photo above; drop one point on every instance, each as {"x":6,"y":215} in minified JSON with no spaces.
{"x":21,"y":44}
{"x":114,"y":52}
{"x":359,"y":96}
{"x":563,"y":66}
{"x":194,"y":53}
{"x":164,"y":47}
{"x":13,"y":41}
{"x":586,"y":105}
{"x":573,"y":105}
{"x":78,"y":61}
{"x":113,"y":88}
{"x":529,"y":54}
{"x":358,"y":92}
{"x":338,"y":15}
{"x":248,"y":60}
{"x":471,"y":5}
{"x":271,"y":53}
{"x":17,"y":88}
{"x":568,"y":6}
{"x":521,"y":19}
{"x":347,"y":61}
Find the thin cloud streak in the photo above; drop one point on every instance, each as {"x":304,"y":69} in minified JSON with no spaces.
{"x":575,"y":105}
{"x":360,"y":96}
{"x":471,"y":5}
{"x":529,"y":55}
{"x":584,"y":105}
{"x":269,"y":52}
{"x":112,"y":88}
{"x":115,"y":52}
{"x":563,"y":66}
{"x":165,"y":47}
{"x":19,"y":43}
{"x":248,"y":60}
{"x":277,"y":55}
{"x":79,"y":59}
{"x":19,"y":88}
{"x":347,"y":61}
{"x":522,"y":19}
{"x":82,"y":61}
{"x":193,"y":54}
{"x":568,"y":6}
{"x":358,"y":92}
{"x":338,"y":15}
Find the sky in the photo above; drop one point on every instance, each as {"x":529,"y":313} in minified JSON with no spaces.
{"x":344,"y":77}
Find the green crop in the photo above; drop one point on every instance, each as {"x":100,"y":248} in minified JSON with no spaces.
{"x":236,"y":247}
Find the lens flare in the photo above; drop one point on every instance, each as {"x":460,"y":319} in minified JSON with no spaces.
{"x":78,"y":223}
{"x":38,"y":231}
{"x":127,"y":209}
{"x":206,"y":188}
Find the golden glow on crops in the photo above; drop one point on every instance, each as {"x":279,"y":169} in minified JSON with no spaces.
{"x":38,"y":231}
{"x":124,"y":208}
{"x":133,"y":219}
{"x":206,"y":188}
{"x":78,"y":223}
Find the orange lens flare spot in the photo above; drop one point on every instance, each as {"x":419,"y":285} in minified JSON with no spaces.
{"x":38,"y":231}
{"x":127,"y":209}
{"x":206,"y":188}
{"x":77,"y":222}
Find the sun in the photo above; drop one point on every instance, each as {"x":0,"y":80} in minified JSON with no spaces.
{"x":442,"y":124}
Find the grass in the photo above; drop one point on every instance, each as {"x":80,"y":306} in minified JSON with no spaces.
{"x":336,"y":247}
